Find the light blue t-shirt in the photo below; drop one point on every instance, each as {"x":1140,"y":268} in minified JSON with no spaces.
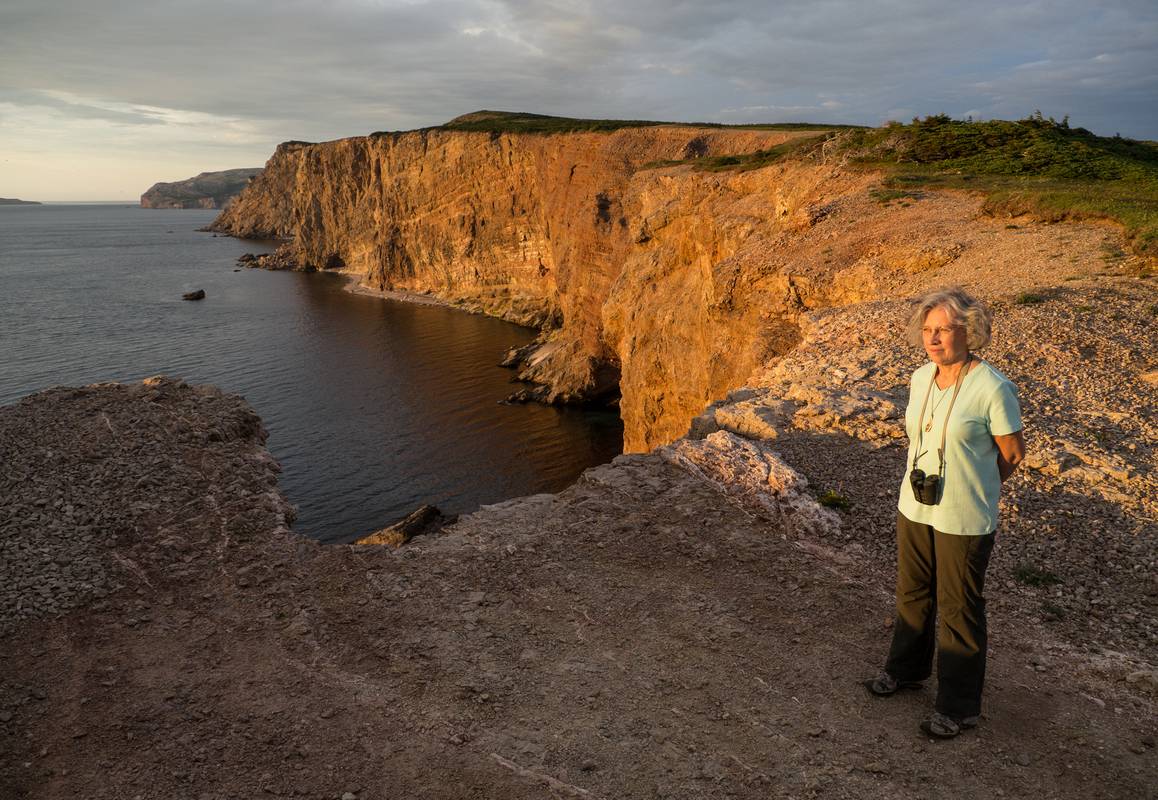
{"x":986,"y":407}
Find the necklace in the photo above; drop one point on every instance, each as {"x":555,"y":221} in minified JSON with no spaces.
{"x":933,"y":412}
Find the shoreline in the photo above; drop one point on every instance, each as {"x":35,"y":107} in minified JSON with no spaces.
{"x":354,"y":285}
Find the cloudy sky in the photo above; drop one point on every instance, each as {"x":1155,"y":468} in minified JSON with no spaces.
{"x":101,"y":98}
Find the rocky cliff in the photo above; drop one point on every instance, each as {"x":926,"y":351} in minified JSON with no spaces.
{"x":670,"y":284}
{"x":207,"y":190}
{"x":533,"y":228}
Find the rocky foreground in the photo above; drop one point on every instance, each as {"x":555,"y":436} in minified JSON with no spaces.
{"x":688,"y":623}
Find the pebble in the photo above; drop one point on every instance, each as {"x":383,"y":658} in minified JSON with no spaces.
{"x":1023,"y":759}
{"x":349,"y":796}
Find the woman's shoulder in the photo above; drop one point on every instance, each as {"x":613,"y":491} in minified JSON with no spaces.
{"x":991,"y":374}
{"x":990,"y":380}
{"x":923,"y":373}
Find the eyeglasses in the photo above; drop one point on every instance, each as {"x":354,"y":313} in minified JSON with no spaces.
{"x":928,"y":332}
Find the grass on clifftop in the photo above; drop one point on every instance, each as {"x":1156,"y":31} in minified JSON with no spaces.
{"x":517,"y":122}
{"x":1032,"y":166}
{"x":805,"y":145}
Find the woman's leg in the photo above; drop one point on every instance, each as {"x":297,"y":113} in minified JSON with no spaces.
{"x":962,"y":635}
{"x":914,"y":631}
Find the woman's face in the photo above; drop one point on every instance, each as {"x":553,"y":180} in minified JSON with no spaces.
{"x":944,"y":338}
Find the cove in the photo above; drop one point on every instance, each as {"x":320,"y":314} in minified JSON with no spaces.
{"x":373,"y":406}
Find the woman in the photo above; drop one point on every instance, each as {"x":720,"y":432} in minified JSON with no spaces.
{"x":965,"y":440}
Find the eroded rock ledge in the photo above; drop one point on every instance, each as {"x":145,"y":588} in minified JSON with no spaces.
{"x":682,"y":623}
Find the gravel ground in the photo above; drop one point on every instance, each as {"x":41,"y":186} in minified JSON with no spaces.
{"x":640,"y":635}
{"x":64,"y":537}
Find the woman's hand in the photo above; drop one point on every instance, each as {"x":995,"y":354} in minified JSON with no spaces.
{"x":1010,"y":452}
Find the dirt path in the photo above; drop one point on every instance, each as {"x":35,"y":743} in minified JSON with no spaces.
{"x":639,"y":635}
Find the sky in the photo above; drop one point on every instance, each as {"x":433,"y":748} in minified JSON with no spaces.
{"x":99,"y":99}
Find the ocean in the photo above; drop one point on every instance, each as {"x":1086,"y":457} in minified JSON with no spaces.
{"x":374,"y":406}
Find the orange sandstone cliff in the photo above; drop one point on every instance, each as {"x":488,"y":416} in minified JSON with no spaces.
{"x":668,"y":285}
{"x":532,"y":228}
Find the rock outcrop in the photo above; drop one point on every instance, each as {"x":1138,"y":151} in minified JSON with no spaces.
{"x":207,"y":190}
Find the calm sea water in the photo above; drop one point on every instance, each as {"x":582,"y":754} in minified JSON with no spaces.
{"x":374,"y":407}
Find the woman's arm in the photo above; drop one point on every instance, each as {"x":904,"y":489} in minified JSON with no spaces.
{"x":1010,"y":452}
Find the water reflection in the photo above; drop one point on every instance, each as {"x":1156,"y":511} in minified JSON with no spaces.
{"x":414,"y":392}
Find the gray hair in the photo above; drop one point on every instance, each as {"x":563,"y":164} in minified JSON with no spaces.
{"x":963,"y":308}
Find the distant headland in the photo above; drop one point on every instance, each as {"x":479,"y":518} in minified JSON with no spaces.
{"x":207,"y":190}
{"x":12,"y":201}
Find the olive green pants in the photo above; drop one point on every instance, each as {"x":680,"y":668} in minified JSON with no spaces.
{"x":941,"y":574}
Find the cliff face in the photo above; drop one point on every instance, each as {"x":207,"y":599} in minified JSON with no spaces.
{"x":528,"y":227}
{"x":671,"y":285}
{"x":207,"y":190}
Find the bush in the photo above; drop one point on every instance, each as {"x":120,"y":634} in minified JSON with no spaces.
{"x":831,"y":499}
{"x":1030,"y":575}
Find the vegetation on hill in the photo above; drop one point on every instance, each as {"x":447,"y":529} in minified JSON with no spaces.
{"x":513,"y":122}
{"x":1035,"y":166}
{"x":517,"y":122}
{"x":1033,"y":146}
{"x":800,"y":147}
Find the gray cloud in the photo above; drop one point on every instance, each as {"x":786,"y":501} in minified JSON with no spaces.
{"x":307,"y":70}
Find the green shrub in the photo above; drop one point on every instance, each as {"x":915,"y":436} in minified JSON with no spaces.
{"x":1028,"y":299}
{"x":885,"y":196}
{"x":831,"y":499}
{"x":1030,"y":575}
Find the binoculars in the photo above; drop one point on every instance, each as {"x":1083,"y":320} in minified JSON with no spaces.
{"x":926,"y":488}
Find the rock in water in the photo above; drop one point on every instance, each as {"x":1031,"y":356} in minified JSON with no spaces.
{"x":197,"y":295}
{"x":282,"y":258}
{"x":425,"y":520}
